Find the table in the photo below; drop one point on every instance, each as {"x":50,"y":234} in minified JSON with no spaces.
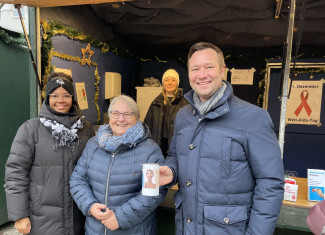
{"x":293,"y":215}
{"x":302,"y":201}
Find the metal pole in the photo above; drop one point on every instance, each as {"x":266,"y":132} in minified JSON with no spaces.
{"x":286,"y":76}
{"x":28,"y":44}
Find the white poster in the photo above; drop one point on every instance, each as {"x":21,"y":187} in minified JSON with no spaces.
{"x":242,"y":76}
{"x":81,"y":95}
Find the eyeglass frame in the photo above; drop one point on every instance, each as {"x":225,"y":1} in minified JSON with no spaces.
{"x":127,"y":113}
{"x":64,"y":97}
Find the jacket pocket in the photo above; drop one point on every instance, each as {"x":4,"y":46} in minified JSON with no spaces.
{"x":225,"y":164}
{"x":35,"y":194}
{"x":232,"y":151}
{"x":179,"y":213}
{"x":225,"y":220}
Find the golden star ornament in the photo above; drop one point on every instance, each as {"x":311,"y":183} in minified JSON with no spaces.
{"x":86,"y":51}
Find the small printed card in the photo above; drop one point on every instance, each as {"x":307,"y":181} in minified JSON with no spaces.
{"x":290,"y":191}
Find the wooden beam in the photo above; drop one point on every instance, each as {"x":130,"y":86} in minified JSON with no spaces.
{"x":57,"y":3}
{"x":278,"y":8}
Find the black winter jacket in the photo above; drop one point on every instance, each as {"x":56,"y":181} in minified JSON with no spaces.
{"x":155,"y":116}
{"x":37,"y":177}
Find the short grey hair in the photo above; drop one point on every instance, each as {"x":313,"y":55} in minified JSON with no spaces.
{"x":128,"y":101}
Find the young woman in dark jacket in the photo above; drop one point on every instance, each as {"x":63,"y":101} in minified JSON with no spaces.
{"x":162,"y":111}
{"x":41,"y":161}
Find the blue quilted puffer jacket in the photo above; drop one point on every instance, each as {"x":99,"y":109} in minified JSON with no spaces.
{"x":228,"y":167}
{"x":115,"y":179}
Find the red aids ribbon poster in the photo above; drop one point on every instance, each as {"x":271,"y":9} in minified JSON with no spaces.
{"x":304,"y":105}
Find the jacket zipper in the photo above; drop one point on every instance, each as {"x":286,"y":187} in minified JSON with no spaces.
{"x":107,"y":181}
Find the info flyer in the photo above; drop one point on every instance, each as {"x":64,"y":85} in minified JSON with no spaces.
{"x":316,"y":184}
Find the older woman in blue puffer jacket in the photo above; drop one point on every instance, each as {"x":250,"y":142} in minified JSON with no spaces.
{"x":106,"y":183}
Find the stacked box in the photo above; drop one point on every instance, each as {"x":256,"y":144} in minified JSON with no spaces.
{"x":290,"y":190}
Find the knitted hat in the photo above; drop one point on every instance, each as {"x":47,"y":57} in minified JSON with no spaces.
{"x":56,"y":80}
{"x":171,"y":73}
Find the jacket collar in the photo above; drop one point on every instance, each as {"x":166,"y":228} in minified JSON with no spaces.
{"x":67,"y":120}
{"x":219,"y":109}
{"x":126,"y":147}
{"x":159,"y":100}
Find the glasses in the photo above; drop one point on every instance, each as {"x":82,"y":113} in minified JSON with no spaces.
{"x":64,"y":97}
{"x":126,"y":115}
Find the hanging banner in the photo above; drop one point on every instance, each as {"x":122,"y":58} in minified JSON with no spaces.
{"x":81,"y":95}
{"x":242,"y":76}
{"x":304,"y":105}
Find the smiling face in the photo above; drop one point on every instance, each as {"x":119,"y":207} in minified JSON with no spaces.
{"x":60,"y":100}
{"x":120,"y":125}
{"x":170,"y":85}
{"x":149,"y":174}
{"x":205,"y":73}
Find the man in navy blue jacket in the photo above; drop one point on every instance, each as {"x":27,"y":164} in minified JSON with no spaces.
{"x":224,"y":155}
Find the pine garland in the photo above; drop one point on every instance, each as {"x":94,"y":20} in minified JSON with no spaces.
{"x":51,"y":29}
{"x":8,"y":39}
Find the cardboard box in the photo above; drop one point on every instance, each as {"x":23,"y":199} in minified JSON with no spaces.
{"x":316,"y":184}
{"x":290,"y":192}
{"x":289,"y":181}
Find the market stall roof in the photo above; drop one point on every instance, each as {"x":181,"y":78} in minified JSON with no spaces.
{"x":56,"y":3}
{"x":171,"y":26}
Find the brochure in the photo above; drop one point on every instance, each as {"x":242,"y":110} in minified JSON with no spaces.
{"x":316,"y":184}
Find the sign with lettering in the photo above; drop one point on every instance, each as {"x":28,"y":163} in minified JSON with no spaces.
{"x":242,"y":76}
{"x":304,"y":105}
{"x":81,"y":95}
